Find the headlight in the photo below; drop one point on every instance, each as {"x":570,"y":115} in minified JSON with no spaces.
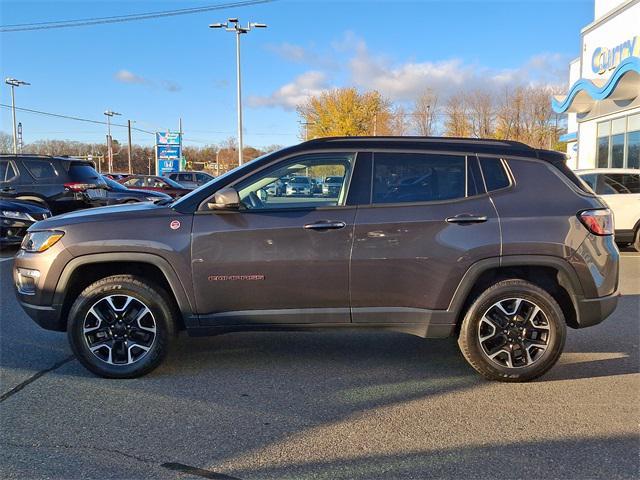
{"x":16,"y":215}
{"x":40,"y":241}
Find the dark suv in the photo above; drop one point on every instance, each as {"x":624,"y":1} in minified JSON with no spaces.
{"x":59,"y":184}
{"x":493,"y":242}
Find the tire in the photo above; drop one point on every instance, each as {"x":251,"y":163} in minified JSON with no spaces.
{"x":131,"y":346}
{"x":636,"y":242}
{"x":504,"y":319}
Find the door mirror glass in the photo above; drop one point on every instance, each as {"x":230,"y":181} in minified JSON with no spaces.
{"x":225,"y":199}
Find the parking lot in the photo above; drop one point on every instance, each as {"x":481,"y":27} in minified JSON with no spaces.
{"x":323,"y":405}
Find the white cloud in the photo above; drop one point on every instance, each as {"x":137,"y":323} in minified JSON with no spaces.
{"x":401,"y":81}
{"x":292,"y":94}
{"x":126,"y":76}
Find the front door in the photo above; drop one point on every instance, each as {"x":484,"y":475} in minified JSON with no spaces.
{"x":428,"y":221}
{"x":283,"y":257}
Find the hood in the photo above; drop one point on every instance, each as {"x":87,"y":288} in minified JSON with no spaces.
{"x":103,"y":214}
{"x":21,"y":206}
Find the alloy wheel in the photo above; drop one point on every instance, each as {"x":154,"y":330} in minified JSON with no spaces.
{"x":119,"y":329}
{"x":514,"y":333}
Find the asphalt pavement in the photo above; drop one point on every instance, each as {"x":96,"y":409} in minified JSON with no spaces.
{"x":321,"y":405}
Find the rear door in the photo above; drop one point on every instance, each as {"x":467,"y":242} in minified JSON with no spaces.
{"x":427,"y":222}
{"x":277,"y":259}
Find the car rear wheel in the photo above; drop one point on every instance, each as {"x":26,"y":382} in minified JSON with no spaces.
{"x":513,"y":332}
{"x":121,"y":327}
{"x":636,"y":243}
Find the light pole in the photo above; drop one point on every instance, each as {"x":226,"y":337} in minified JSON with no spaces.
{"x":233,"y":25}
{"x":109,"y":114}
{"x":13,"y":83}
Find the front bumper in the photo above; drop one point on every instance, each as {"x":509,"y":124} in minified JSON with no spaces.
{"x":48,"y":317}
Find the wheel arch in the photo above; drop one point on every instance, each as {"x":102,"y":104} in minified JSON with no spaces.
{"x":553,"y":274}
{"x":82,"y":271}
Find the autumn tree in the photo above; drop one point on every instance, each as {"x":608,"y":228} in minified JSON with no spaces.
{"x":457,"y":122}
{"x":481,"y":112}
{"x":345,"y":112}
{"x":425,"y":110}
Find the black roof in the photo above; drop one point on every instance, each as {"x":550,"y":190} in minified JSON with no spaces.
{"x":456,"y":144}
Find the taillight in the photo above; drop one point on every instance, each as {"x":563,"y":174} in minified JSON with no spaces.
{"x":598,"y":222}
{"x":79,"y":186}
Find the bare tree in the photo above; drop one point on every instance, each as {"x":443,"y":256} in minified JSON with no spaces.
{"x":6,"y":143}
{"x":424,"y":113}
{"x":481,"y":111}
{"x":457,"y":122}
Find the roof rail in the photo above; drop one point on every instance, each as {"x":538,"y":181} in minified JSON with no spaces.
{"x":480,"y":141}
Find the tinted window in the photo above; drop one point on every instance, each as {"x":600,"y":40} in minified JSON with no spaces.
{"x":590,"y":180}
{"x":41,"y":169}
{"x":181,"y":177}
{"x":113,"y":185}
{"x":495,"y":176}
{"x":417,"y":177}
{"x":612,"y":183}
{"x":202,"y":178}
{"x":7,"y":171}
{"x":82,"y":171}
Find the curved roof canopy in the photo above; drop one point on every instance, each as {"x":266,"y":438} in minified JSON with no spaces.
{"x":623,"y":84}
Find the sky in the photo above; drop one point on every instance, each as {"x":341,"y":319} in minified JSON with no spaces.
{"x":156,"y":71}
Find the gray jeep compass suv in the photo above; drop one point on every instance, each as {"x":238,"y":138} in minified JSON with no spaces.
{"x":493,"y":242}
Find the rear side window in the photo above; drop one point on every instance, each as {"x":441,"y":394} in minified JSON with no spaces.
{"x":495,"y":175}
{"x":417,"y":177}
{"x":7,"y":171}
{"x":79,"y":172}
{"x":41,"y":169}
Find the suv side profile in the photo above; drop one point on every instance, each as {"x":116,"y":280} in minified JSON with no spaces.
{"x":58,"y":184}
{"x":427,"y":236}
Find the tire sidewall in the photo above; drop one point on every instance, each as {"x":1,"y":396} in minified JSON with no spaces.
{"x":151,"y":297}
{"x":557,"y":331}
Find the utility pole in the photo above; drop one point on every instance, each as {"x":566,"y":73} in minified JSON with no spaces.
{"x":129,"y":149}
{"x":12,"y":82}
{"x":110,"y":114}
{"x":233,"y":25}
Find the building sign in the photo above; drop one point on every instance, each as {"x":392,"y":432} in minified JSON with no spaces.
{"x":168,"y":152}
{"x":604,"y":59}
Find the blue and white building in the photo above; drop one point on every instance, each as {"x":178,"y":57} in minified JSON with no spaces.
{"x":603,"y":98}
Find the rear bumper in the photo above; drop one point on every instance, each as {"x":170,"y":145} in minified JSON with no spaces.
{"x":592,"y":311}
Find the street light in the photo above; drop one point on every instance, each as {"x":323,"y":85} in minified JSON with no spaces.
{"x":233,"y":25}
{"x":110,"y":114}
{"x":12,"y":82}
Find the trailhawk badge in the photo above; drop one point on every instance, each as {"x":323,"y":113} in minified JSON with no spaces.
{"x":174,"y":225}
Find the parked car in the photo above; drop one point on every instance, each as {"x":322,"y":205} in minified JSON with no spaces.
{"x":299,"y":185}
{"x":479,"y":255}
{"x":190,"y":179}
{"x":58,"y":184}
{"x":276,"y":188}
{"x":155,"y":184}
{"x":620,"y":189}
{"x":332,"y":186}
{"x":15,"y":217}
{"x":118,"y":193}
{"x":116,"y":176}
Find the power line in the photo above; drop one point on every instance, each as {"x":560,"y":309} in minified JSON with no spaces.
{"x":21,"y":27}
{"x":70,"y":117}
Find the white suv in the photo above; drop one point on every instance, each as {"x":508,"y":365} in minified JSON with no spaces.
{"x":620,"y":188}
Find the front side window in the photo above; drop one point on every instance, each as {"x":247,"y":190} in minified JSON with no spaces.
{"x":40,"y":169}
{"x":620,"y":183}
{"x":417,"y":177}
{"x":135,"y":182}
{"x":288,"y":184}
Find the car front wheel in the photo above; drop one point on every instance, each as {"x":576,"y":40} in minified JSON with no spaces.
{"x":121,"y":327}
{"x":513,"y":332}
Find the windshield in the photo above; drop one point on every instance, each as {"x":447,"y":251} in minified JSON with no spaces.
{"x":300,"y":180}
{"x":172,"y":183}
{"x":113,"y":185}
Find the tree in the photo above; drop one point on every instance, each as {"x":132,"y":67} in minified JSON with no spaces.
{"x":6,"y":143}
{"x":345,"y":112}
{"x":457,"y":122}
{"x":481,"y":111}
{"x":424,"y":113}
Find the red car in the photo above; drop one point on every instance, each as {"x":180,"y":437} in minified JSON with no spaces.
{"x":156,"y":184}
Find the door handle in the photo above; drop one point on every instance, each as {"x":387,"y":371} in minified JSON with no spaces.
{"x":324,"y":225}
{"x":466,"y":218}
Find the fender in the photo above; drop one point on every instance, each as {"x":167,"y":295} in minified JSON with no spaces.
{"x":568,"y":278}
{"x":184,"y":302}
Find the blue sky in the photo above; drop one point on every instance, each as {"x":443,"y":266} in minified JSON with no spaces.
{"x":154,"y":71}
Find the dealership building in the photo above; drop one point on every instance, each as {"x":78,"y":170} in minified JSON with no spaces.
{"x":603,"y":98}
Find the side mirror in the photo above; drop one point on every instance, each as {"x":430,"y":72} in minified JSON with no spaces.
{"x":225,"y":199}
